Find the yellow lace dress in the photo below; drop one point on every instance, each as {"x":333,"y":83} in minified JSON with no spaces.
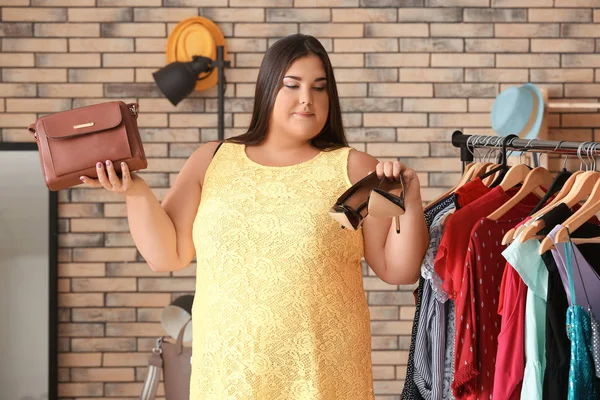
{"x":280,"y":312}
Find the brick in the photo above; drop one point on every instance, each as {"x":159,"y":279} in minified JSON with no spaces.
{"x":235,"y":45}
{"x":170,"y":135}
{"x":394,"y":150}
{"x":64,"y":345}
{"x":181,"y":150}
{"x":332,"y":30}
{"x":134,"y":329}
{"x":462,"y":30}
{"x":383,"y":312}
{"x":81,"y":300}
{"x":480,"y":105}
{"x":63,"y":286}
{"x":34,"y":75}
{"x":73,"y":210}
{"x":103,"y":285}
{"x":367,"y":75}
{"x":101,"y":75}
{"x":103,"y":344}
{"x":102,"y":45}
{"x":133,"y":60}
{"x":431,"y":45}
{"x":580,"y":30}
{"x":127,"y":389}
{"x":149,"y":314}
{"x":396,"y":30}
{"x":422,"y":134}
{"x":383,"y":373}
{"x":195,"y":3}
{"x":562,"y":75}
{"x":521,"y":3}
{"x":391,"y":3}
{"x":580,"y":60}
{"x":17,"y":135}
{"x":95,"y":196}
{"x":37,"y":105}
{"x":579,"y":120}
{"x":67,"y":60}
{"x":34,"y":14}
{"x":388,"y":387}
{"x":577,"y":3}
{"x":13,"y":29}
{"x":80,"y":389}
{"x":527,"y":60}
{"x":433,"y":105}
{"x":99,"y":225}
{"x":321,"y":3}
{"x":67,"y":30}
{"x":14,"y":120}
{"x":125,"y":239}
{"x":81,"y":269}
{"x":70,"y":90}
{"x":459,"y":120}
{"x":371,"y":105}
{"x":434,"y":164}
{"x":264,"y":30}
{"x":462,"y":60}
{"x":165,"y":285}
{"x":100,"y":14}
{"x":494,"y":15}
{"x":234,"y":14}
{"x":527,"y":30}
{"x":115,"y":210}
{"x":153,"y":121}
{"x":431,"y":75}
{"x":80,"y":240}
{"x":496,"y":75}
{"x":35,"y":45}
{"x":16,"y":60}
{"x":124,"y":359}
{"x":384,"y":343}
{"x":137,"y":299}
{"x":132,"y":3}
{"x":457,"y":3}
{"x":61,"y":3}
{"x":242,"y":75}
{"x":104,"y":254}
{"x":430,"y":15}
{"x":365,"y":45}
{"x":364,"y":15}
{"x":79,"y":330}
{"x":14,"y":3}
{"x":138,"y":29}
{"x":231,"y":105}
{"x":397,"y":60}
{"x":79,"y":359}
{"x":370,"y":134}
{"x":562,"y":45}
{"x":152,"y":45}
{"x":497,"y":45}
{"x":558,"y":15}
{"x":298,"y":15}
{"x":465,"y":90}
{"x":102,"y":374}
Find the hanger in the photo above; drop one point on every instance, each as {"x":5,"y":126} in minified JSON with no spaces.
{"x":587,"y":211}
{"x":534,"y":178}
{"x":584,"y":184}
{"x":530,"y":231}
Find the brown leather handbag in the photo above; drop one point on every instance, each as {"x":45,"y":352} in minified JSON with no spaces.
{"x":71,"y":142}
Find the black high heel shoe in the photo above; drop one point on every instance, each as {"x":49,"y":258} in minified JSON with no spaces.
{"x":350,"y":205}
{"x":383,"y":204}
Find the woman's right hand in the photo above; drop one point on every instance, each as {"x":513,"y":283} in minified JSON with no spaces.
{"x":108,"y":178}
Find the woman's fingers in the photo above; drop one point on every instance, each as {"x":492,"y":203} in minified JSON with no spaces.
{"x":91,"y":182}
{"x":102,"y":177}
{"x":114,"y":180}
{"x":127,"y":181}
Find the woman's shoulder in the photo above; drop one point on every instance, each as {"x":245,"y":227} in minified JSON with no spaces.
{"x":360,"y":163}
{"x":200,"y":159}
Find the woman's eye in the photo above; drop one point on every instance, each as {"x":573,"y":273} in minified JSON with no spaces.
{"x":291,"y":86}
{"x":320,"y":88}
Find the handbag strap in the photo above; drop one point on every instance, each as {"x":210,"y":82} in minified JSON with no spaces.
{"x":154,"y":371}
{"x":179,"y":343}
{"x":133,"y":107}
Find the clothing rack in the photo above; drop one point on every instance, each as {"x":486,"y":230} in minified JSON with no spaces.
{"x":468,"y":143}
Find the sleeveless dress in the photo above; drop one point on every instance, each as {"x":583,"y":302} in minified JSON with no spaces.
{"x":279,"y":312}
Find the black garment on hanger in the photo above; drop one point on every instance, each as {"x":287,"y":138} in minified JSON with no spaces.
{"x":555,"y":186}
{"x":558,"y":345}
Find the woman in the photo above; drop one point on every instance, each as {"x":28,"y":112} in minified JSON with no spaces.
{"x":279,"y":310}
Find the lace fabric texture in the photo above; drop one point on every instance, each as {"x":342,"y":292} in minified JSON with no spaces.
{"x":280,"y":312}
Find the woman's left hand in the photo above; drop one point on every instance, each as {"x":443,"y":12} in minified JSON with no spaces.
{"x":392,"y":171}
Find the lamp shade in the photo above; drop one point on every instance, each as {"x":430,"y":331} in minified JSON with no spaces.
{"x":175,"y":315}
{"x":178,"y":79}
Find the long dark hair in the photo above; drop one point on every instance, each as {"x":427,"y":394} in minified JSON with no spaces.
{"x":277,"y":60}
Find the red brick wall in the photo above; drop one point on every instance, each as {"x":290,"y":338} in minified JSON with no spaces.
{"x":409,"y":73}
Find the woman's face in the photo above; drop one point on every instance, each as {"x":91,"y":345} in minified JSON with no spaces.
{"x":302,"y":104}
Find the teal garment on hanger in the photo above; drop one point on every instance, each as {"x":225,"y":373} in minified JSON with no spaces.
{"x":579,"y":331}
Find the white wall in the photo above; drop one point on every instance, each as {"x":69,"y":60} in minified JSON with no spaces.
{"x":24,"y":271}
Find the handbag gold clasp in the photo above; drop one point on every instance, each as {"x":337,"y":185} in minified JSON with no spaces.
{"x":83,"y":125}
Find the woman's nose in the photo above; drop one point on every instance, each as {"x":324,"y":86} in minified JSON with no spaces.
{"x":305,"y":97}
